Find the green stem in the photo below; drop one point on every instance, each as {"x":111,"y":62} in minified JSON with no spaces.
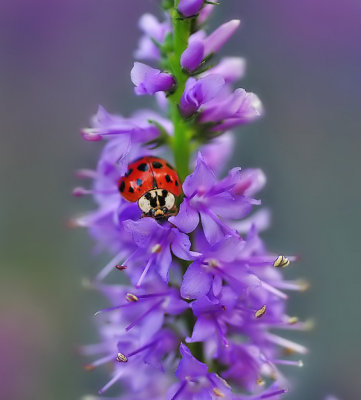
{"x":182,"y":131}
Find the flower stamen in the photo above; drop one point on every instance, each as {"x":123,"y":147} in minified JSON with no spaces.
{"x":121,"y":358}
{"x":281,"y":262}
{"x":261,"y":312}
{"x":131,"y":298}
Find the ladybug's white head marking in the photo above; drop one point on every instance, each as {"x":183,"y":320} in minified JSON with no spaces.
{"x":157,"y":203}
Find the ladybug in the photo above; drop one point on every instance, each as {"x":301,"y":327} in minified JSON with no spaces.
{"x":154,"y":184}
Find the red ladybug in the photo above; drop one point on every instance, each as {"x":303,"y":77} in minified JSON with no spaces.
{"x":154,"y":183}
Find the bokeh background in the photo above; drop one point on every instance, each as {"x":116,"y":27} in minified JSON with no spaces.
{"x":60,"y":59}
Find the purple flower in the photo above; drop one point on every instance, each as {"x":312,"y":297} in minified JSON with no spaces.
{"x":154,"y":35}
{"x":231,"y":68}
{"x":199,"y":92}
{"x":148,"y":80}
{"x":105,"y":125}
{"x":188,"y":8}
{"x":211,"y":201}
{"x":230,"y":110}
{"x":206,"y":272}
{"x":195,"y":382}
{"x":193,"y":56}
{"x":204,"y":14}
{"x":213,"y":43}
{"x":155,"y":243}
{"x":217,"y":39}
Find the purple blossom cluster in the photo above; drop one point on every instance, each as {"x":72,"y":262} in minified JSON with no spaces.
{"x":204,"y":304}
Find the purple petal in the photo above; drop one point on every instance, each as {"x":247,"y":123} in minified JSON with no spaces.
{"x":198,"y":93}
{"x":142,"y":231}
{"x":163,"y":262}
{"x":224,"y":108}
{"x":217,"y":152}
{"x":228,"y":249}
{"x":217,"y":285}
{"x":231,"y":68}
{"x":152,"y":323}
{"x":204,"y":305}
{"x":220,"y":36}
{"x":250,"y":109}
{"x":260,"y":219}
{"x":188,"y":8}
{"x":204,"y":14}
{"x":249,"y":181}
{"x":201,"y":180}
{"x":187,"y":219}
{"x":203,"y":329}
{"x":150,"y":25}
{"x":192,"y":56}
{"x":147,"y":50}
{"x":226,"y":205}
{"x":128,"y":211}
{"x":149,"y":80}
{"x":189,"y":366}
{"x":181,"y":245}
{"x":212,"y":230}
{"x":153,"y":31}
{"x":196,"y":282}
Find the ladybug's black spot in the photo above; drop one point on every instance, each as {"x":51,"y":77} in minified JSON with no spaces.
{"x":143,"y":167}
{"x":176,"y":183}
{"x":148,"y":196}
{"x":167,"y":178}
{"x":139,"y":182}
{"x":157,"y":164}
{"x":129,"y":172}
{"x":131,"y":190}
{"x":169,"y":166}
{"x":122,"y":187}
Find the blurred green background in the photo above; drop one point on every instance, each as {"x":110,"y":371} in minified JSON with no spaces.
{"x":60,"y":59}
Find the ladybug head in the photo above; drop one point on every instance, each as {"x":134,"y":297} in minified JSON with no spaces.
{"x":158,"y":204}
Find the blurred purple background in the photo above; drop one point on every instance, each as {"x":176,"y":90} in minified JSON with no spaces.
{"x":60,"y":59}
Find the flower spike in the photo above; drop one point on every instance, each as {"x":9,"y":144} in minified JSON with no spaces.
{"x":193,"y":314}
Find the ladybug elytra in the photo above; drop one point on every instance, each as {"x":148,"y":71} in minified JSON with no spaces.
{"x":154,"y":184}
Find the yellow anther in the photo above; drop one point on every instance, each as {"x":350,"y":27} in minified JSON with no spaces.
{"x":261,"y":382}
{"x":309,"y":324}
{"x":131,"y":297}
{"x":288,"y":351}
{"x":157,"y":248}
{"x":211,"y":262}
{"x":121,"y":358}
{"x":293,"y":320}
{"x":303,"y":284}
{"x":281,"y":262}
{"x":218,"y":393}
{"x":261,"y":312}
